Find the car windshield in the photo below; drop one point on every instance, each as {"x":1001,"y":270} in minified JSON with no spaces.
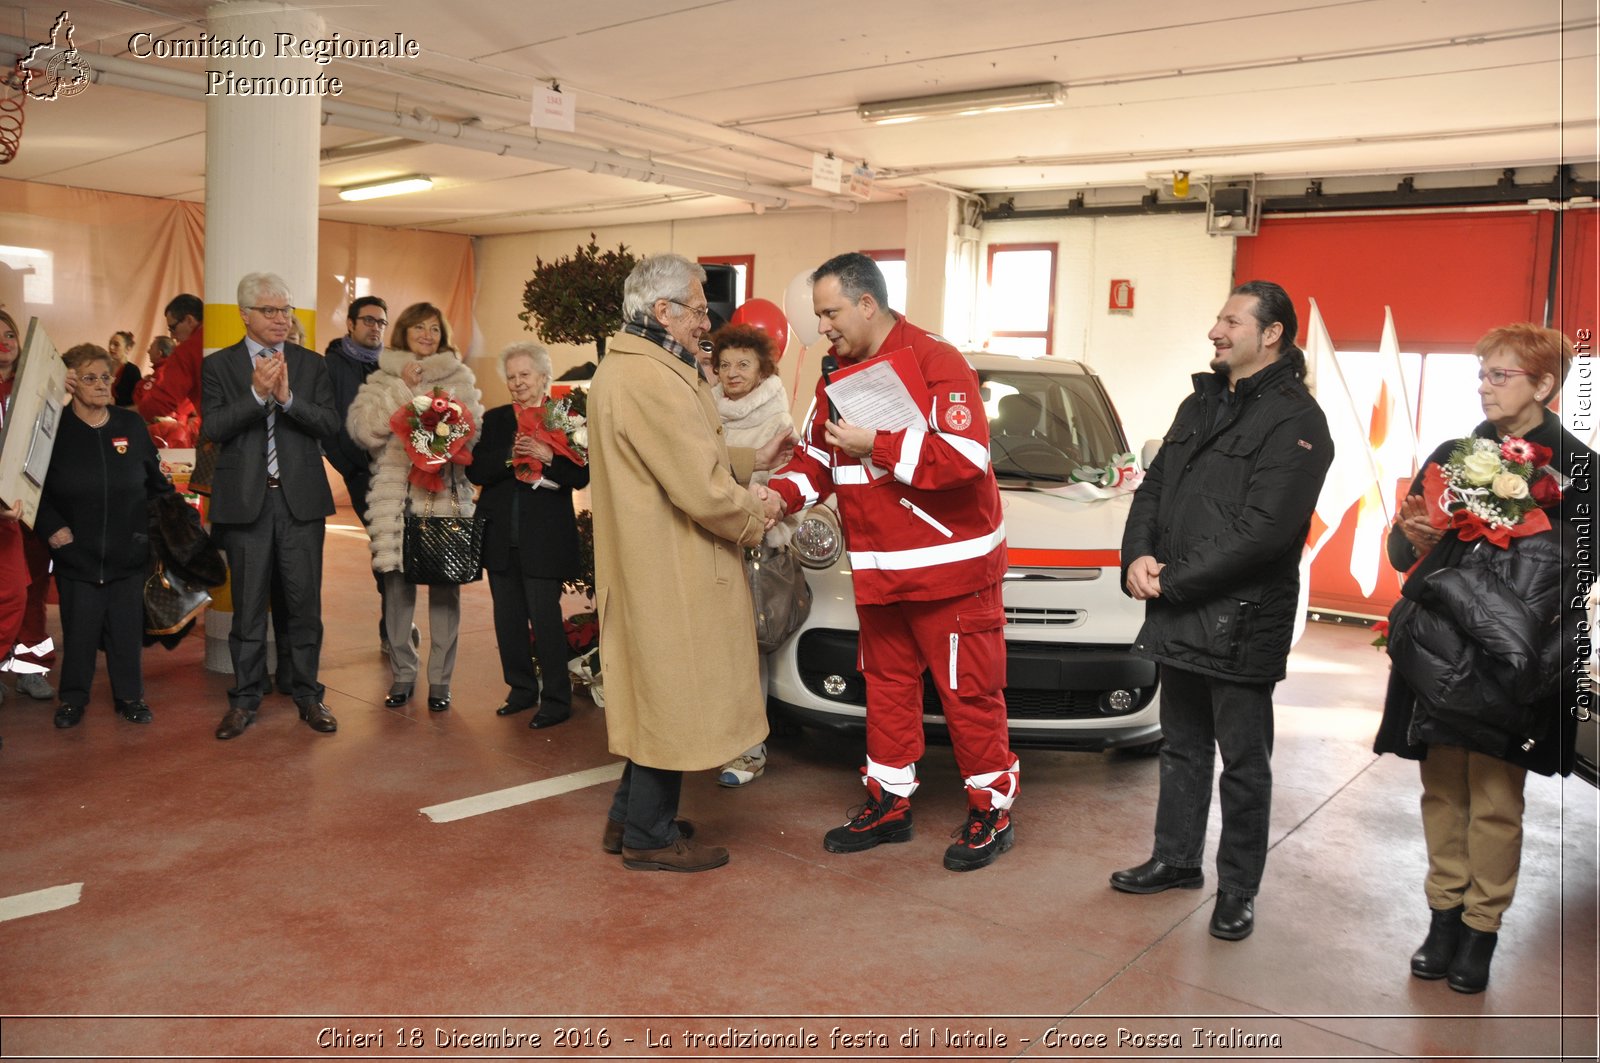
{"x":1042,"y":426}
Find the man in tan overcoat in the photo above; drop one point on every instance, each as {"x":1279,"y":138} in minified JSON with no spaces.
{"x":669,"y":519}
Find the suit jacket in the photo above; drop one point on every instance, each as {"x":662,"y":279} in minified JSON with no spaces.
{"x":233,"y":419}
{"x":545,"y":530}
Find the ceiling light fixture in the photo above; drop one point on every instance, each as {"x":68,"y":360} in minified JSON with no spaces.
{"x":979,"y":101}
{"x":391,"y":186}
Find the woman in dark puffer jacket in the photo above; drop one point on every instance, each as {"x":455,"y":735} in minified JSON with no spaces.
{"x":1482,"y":642}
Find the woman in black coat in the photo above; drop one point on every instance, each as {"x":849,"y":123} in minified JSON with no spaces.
{"x":1480,"y":692}
{"x":530,"y":542}
{"x":93,"y":513}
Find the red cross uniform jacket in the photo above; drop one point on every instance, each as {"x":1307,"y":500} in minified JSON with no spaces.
{"x":921,"y":515}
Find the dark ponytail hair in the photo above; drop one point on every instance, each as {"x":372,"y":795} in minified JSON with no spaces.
{"x":1273,"y":306}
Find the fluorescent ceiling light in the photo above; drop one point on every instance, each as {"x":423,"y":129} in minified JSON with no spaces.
{"x":393,"y":186}
{"x":979,"y":101}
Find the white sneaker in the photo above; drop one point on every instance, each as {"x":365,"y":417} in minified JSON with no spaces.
{"x":36,"y":686}
{"x":745,"y":768}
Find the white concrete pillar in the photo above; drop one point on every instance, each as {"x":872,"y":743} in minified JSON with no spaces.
{"x":940,"y":264}
{"x":261,"y":196}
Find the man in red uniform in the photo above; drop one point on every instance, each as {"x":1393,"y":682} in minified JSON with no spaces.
{"x":173,"y":388}
{"x":922,"y":520}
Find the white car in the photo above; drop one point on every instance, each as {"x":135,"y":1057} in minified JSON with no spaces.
{"x":1072,"y":679}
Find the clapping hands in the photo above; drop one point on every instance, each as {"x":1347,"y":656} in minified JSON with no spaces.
{"x":270,"y":379}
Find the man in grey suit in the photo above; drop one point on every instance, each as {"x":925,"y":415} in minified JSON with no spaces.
{"x":268,"y":405}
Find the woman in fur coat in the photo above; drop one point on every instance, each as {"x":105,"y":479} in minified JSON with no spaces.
{"x":754,"y":408}
{"x":421,"y":359}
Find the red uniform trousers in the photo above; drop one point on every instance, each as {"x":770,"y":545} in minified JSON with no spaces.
{"x":35,"y":650}
{"x":962,"y":642}
{"x":13,"y":584}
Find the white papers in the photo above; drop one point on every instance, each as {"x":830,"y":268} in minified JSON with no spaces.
{"x":875,"y":397}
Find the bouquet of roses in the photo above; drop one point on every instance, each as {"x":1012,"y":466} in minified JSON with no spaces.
{"x":560,"y":424}
{"x":434,"y":428}
{"x":1491,"y":490}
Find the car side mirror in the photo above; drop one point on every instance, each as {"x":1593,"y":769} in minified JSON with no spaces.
{"x":1147,"y":453}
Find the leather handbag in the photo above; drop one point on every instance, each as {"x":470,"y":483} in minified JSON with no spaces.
{"x":170,"y":603}
{"x":205,"y":467}
{"x":442,"y":550}
{"x":779,"y":593}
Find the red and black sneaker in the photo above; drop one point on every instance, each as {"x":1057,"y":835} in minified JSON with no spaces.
{"x":984,"y":836}
{"x":885,"y":817}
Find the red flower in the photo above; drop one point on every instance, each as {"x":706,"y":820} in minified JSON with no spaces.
{"x":1517,"y":450}
{"x":1541,"y":456}
{"x":441,"y":406}
{"x":428,"y":418}
{"x":1545,"y":491}
{"x":1381,"y":627}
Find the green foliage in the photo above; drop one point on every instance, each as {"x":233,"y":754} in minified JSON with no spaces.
{"x":577,"y":299}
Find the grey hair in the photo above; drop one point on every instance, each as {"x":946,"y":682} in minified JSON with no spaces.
{"x":253,"y":286}
{"x":666,"y":277}
{"x":533,"y":352}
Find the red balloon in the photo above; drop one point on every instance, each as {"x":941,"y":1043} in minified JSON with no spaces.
{"x":764,"y":315}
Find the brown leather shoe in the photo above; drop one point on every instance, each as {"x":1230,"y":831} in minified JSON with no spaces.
{"x":234,"y":723}
{"x":317,"y":716}
{"x":681,"y":855}
{"x":611,"y":840}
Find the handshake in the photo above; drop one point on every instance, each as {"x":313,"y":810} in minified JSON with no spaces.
{"x":771,"y":503}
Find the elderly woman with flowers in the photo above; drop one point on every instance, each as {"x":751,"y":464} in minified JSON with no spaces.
{"x":418,"y":416}
{"x":1479,"y":692}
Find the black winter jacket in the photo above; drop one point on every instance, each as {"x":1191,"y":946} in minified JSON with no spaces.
{"x":1226,"y":505}
{"x":348,"y":458}
{"x":1484,"y":640}
{"x":99,"y":484}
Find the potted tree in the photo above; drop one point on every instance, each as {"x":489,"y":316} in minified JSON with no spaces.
{"x":578,"y":298}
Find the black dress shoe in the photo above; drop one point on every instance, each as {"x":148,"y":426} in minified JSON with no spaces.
{"x":438,"y":704}
{"x":317,"y":716}
{"x":68,"y":715}
{"x":134,"y":711}
{"x":396,"y":697}
{"x":1233,"y":918}
{"x":508,"y":709}
{"x":547,"y":718}
{"x":1469,"y":969}
{"x":1432,"y":960}
{"x":234,"y":723}
{"x":1153,"y":876}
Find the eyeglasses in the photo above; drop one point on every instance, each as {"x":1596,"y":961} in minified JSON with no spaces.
{"x":95,"y":378}
{"x":698,"y":311}
{"x":373,"y":322}
{"x":273,"y":313}
{"x":1498,"y":377}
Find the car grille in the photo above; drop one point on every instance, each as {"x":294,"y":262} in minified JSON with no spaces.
{"x":1022,"y":616}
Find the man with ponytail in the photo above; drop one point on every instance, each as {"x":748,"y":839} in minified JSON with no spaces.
{"x":1212,"y":546}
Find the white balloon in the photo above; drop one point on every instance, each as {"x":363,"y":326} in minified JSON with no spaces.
{"x":797,"y":308}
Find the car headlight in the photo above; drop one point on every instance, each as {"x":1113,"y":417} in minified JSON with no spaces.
{"x":817,"y":541}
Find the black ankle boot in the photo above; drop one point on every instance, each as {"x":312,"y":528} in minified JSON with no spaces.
{"x":1432,"y":960}
{"x":1469,"y":970}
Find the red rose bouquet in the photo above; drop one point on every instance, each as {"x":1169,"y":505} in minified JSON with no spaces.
{"x":1491,"y":490}
{"x":559,"y":424}
{"x":434,"y":428}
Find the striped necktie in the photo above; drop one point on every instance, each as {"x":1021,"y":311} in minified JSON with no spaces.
{"x":272,"y":426}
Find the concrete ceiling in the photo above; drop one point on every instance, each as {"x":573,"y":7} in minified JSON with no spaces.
{"x":739,"y":94}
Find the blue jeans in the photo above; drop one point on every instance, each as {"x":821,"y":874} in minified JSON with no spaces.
{"x":1200,"y":714}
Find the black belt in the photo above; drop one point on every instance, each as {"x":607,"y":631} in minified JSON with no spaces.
{"x":273,"y":481}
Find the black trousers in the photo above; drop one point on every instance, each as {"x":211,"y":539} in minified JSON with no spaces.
{"x":518,"y":600}
{"x":274,"y":544}
{"x":95,"y":615}
{"x":1201,"y":715}
{"x":646,"y":803}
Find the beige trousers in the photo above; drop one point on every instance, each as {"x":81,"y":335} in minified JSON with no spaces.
{"x":1472,"y":819}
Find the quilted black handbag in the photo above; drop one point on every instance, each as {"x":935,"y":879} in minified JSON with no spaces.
{"x":442,"y":550}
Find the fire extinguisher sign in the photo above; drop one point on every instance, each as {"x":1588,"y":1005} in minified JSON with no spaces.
{"x":1122,"y":295}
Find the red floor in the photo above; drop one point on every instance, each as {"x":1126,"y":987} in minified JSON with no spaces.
{"x":289,"y":883}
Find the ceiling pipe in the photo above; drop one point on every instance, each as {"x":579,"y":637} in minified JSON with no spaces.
{"x":145,"y":77}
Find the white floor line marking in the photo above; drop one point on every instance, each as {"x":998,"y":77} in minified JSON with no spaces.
{"x":40,"y":901}
{"x":512,"y":796}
